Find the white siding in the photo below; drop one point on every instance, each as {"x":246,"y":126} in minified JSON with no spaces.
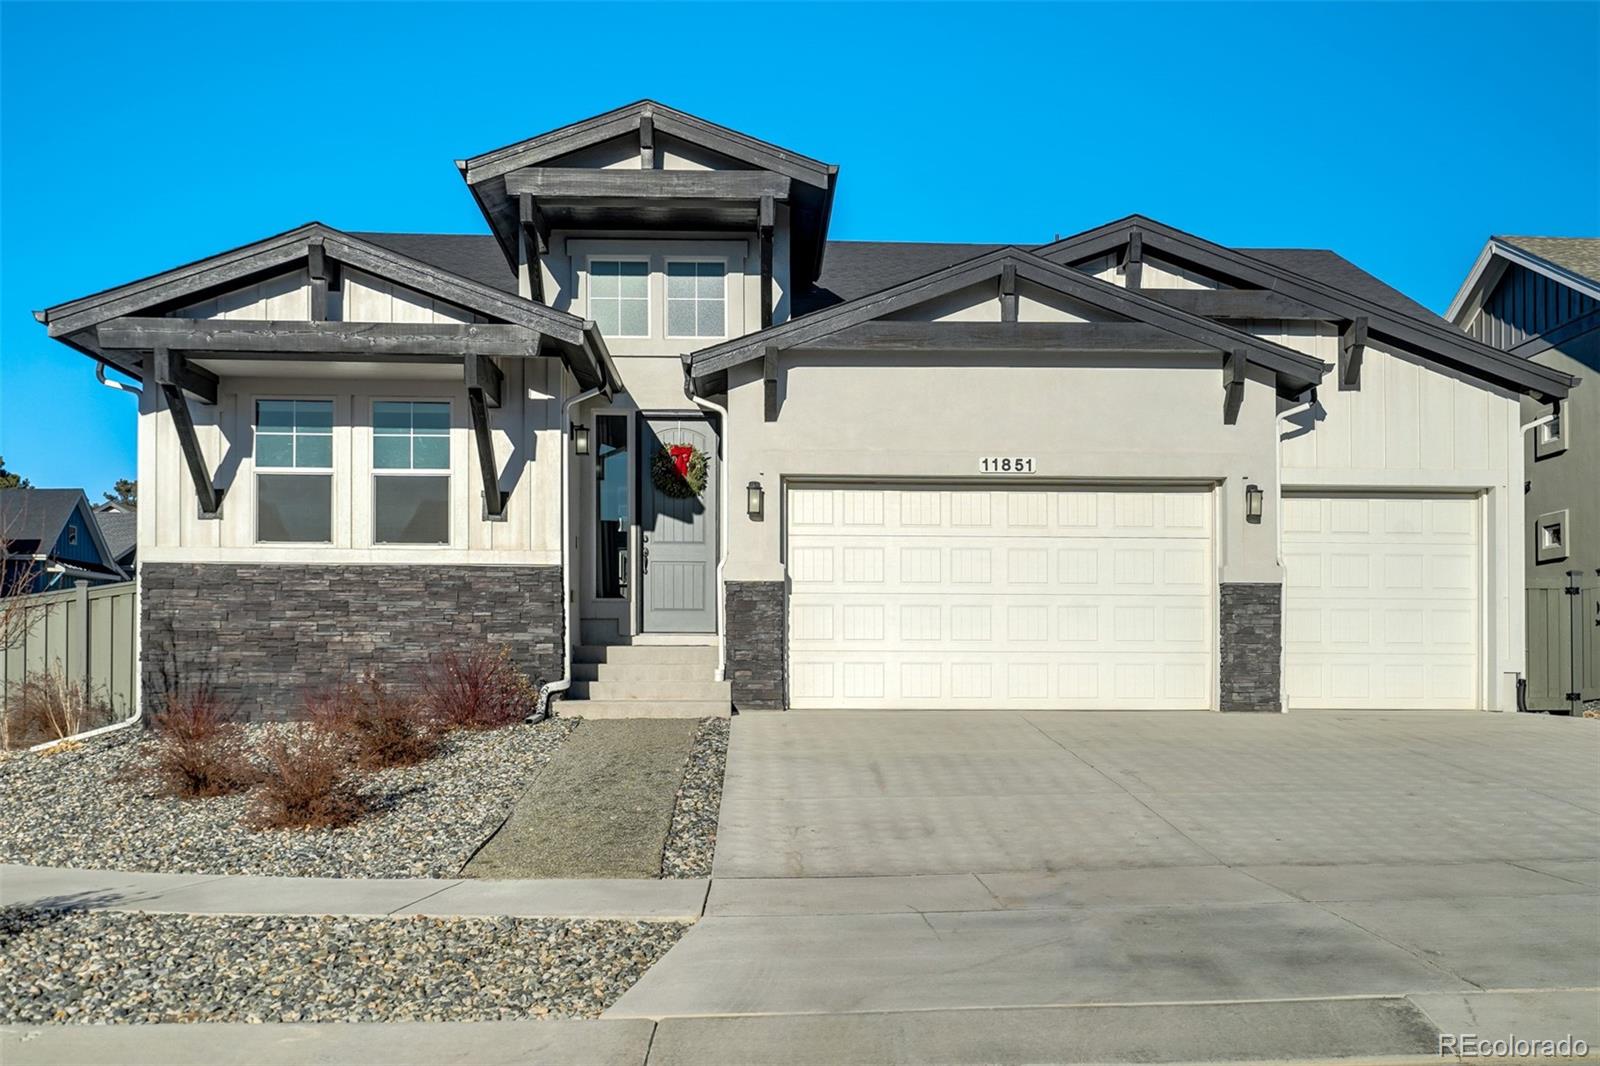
{"x":285,"y":298}
{"x":370,"y":299}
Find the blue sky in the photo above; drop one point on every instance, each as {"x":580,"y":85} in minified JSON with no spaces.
{"x":134,"y":138}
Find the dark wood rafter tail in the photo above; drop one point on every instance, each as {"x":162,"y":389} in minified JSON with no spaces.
{"x":769,"y":385}
{"x":1233,"y":380}
{"x":766,"y":220}
{"x":1352,"y":347}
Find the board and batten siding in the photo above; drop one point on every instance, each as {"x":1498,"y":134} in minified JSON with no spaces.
{"x":360,"y":297}
{"x":1526,"y":303}
{"x":1157,"y":273}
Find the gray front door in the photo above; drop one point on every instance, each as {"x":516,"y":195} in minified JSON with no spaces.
{"x":678,"y":550}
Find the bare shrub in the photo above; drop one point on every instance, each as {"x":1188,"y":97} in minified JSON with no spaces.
{"x":46,"y":707}
{"x":198,"y":752}
{"x":308,"y":784}
{"x":481,"y":689}
{"x":378,"y":726}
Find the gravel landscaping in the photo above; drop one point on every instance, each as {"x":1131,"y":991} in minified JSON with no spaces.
{"x":94,"y":807}
{"x":692,"y":840}
{"x":105,"y":967}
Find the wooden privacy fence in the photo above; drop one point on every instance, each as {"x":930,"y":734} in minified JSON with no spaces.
{"x":88,"y":635}
{"x":1564,"y":645}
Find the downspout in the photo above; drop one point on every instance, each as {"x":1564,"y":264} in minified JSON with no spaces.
{"x":550,"y":689}
{"x":120,"y":386}
{"x":1277,"y":472}
{"x":726,"y":503}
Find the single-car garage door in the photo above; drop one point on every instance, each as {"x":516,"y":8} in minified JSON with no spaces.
{"x":1382,"y":601}
{"x":945,"y":596}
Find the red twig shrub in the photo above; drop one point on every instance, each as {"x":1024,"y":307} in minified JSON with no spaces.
{"x":198,"y":751}
{"x":308,"y":784}
{"x":481,"y":689}
{"x":378,"y":726}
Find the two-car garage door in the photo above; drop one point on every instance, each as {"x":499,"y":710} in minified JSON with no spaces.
{"x":969,"y":597}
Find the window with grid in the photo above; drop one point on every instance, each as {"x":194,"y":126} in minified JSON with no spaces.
{"x":294,"y":471}
{"x":411,"y":472}
{"x":619,"y":296}
{"x":697,"y":299}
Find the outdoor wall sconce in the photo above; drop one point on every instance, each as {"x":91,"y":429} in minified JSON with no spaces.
{"x":753,"y":499}
{"x":1254,"y":498}
{"x":580,"y":439}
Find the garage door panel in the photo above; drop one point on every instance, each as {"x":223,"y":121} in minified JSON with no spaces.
{"x":1000,"y":598}
{"x":1382,"y":601}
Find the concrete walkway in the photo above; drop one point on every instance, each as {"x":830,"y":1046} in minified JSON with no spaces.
{"x":38,"y":886}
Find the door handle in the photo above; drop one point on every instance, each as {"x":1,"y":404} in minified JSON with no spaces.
{"x":644,"y":559}
{"x":622,"y":569}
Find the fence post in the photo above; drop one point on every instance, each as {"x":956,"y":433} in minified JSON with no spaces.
{"x":79,"y":635}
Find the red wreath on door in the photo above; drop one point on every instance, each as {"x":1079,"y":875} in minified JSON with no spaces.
{"x":679,"y":471}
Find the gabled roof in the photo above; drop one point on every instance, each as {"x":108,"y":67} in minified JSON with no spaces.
{"x":1426,"y":336}
{"x":75,"y":321}
{"x":1570,"y":261}
{"x":121,"y":532}
{"x":811,"y":202}
{"x":1296,"y":369}
{"x":31,"y":521}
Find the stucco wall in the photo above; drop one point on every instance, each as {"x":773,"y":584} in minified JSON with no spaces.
{"x":1571,"y":479}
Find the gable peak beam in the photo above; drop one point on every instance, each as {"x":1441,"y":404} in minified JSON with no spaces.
{"x":1233,"y":379}
{"x":485,"y":384}
{"x":1352,"y":346}
{"x":766,"y":220}
{"x":1008,"y":292}
{"x":647,"y":142}
{"x":168,"y":369}
{"x":769,"y":384}
{"x":1133,"y":264}
{"x":567,"y":183}
{"x":532,"y":221}
{"x":317,"y":269}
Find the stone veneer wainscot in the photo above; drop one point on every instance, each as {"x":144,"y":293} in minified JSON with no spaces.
{"x":1251,"y":646}
{"x":755,"y":619}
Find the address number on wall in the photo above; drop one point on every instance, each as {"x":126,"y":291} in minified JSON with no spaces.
{"x":1005,"y":464}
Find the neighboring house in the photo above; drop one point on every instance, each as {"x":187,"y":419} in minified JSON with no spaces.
{"x":119,"y":523}
{"x":656,"y":405}
{"x":50,"y":540}
{"x":1538,"y":298}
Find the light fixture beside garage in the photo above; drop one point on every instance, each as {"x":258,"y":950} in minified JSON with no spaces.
{"x":1254,"y":499}
{"x":580,"y":439}
{"x":754,"y":498}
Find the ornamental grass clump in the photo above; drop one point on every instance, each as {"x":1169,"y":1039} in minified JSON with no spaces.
{"x":46,"y":707}
{"x":308,"y":783}
{"x":198,"y":751}
{"x":377,"y":726}
{"x":477,"y":690}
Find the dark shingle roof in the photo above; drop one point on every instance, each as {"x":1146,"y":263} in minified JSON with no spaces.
{"x":121,"y":530}
{"x":476,"y":258}
{"x":1581,"y":255}
{"x":1333,"y":269}
{"x":36,"y":514}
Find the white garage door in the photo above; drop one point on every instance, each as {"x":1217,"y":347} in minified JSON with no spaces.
{"x":933,"y":596}
{"x":1382,"y":601}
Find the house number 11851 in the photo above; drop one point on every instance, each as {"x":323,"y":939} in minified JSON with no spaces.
{"x":1005,"y":464}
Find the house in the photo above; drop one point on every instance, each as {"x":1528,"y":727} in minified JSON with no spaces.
{"x":119,"y":524}
{"x":50,"y":541}
{"x":1538,"y":298}
{"x":677,"y":449}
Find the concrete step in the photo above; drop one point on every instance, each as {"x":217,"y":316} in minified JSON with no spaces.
{"x":651,"y":689}
{"x":681,"y":654}
{"x":644,"y":708}
{"x":643,"y":671}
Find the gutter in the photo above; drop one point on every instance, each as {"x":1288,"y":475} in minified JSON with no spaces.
{"x":726,"y":503}
{"x":120,"y":386}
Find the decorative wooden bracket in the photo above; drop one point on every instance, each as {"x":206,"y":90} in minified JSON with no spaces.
{"x":769,"y":384}
{"x":647,"y":142}
{"x":1008,"y":292}
{"x":1133,"y":265}
{"x":536,"y":238}
{"x":1352,"y":346}
{"x":485,"y":384}
{"x":766,"y":219}
{"x":1233,"y":376}
{"x":169,"y":373}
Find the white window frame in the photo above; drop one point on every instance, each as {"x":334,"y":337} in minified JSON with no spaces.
{"x":649,"y":284}
{"x":666,"y":300}
{"x":256,"y":470}
{"x":374,"y":472}
{"x":1562,"y":524}
{"x":1552,"y":437}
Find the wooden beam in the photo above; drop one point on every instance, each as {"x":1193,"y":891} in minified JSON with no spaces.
{"x":482,"y":374}
{"x":769,"y":385}
{"x":532,"y":221}
{"x":168,"y":371}
{"x":289,"y":340}
{"x":1110,"y":337}
{"x":1352,"y":346}
{"x":647,"y":142}
{"x":766,"y":219}
{"x":1238,"y":303}
{"x":1133,"y":265}
{"x":317,"y":268}
{"x":1233,"y":379}
{"x":494,"y":500}
{"x":577,"y":184}
{"x":1008,"y":292}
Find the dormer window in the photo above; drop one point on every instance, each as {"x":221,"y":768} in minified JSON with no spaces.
{"x":619,"y":296}
{"x":697,"y":298}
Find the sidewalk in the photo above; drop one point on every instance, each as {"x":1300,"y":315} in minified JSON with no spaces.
{"x":50,"y":887}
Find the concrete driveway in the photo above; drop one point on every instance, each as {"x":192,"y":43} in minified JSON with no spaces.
{"x":1431,"y":863}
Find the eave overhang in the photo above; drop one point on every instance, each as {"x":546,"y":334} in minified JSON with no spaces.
{"x":1417,"y":336}
{"x":1148,"y":326}
{"x":1499,"y":253}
